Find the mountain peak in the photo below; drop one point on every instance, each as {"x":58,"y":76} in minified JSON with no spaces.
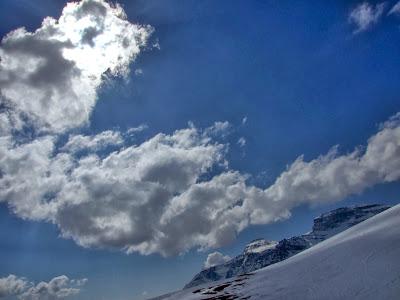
{"x":259,"y":245}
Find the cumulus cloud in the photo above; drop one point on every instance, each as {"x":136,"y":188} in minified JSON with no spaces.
{"x":160,"y":197}
{"x":115,"y":201}
{"x":57,"y":288}
{"x":31,"y":169}
{"x":51,"y":75}
{"x":215,"y":258}
{"x":395,"y":10}
{"x":332,"y":176}
{"x":118,"y":201}
{"x":168,"y":194}
{"x":365,"y":15}
{"x":12,"y":285}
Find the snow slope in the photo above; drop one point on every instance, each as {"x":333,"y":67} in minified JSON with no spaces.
{"x":362,"y":262}
{"x":262,"y":253}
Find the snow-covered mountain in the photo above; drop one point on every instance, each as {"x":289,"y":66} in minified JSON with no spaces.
{"x":359,"y":263}
{"x":258,"y":246}
{"x":261,"y":253}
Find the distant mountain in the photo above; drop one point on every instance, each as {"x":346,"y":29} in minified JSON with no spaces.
{"x":360,"y":263}
{"x":261,"y":253}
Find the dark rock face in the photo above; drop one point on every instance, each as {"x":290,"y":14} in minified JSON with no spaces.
{"x":261,"y":253}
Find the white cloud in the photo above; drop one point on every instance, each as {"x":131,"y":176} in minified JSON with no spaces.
{"x":395,"y":9}
{"x":241,"y":142}
{"x":31,"y":169}
{"x":160,"y":197}
{"x":117,"y":202}
{"x":9,"y":119}
{"x":52,"y":75}
{"x":215,"y":258}
{"x":365,"y":15}
{"x":218,"y":129}
{"x":138,"y":72}
{"x":169,"y":194}
{"x":57,"y":288}
{"x":12,"y":285}
{"x":333,"y":177}
{"x":244,"y":120}
{"x":133,"y":130}
{"x":111,"y":202}
{"x":97,"y":142}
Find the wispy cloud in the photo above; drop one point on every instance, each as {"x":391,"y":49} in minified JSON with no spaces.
{"x":241,"y":142}
{"x":80,"y":142}
{"x":365,"y":15}
{"x":218,"y":129}
{"x":395,"y":10}
{"x":134,"y":130}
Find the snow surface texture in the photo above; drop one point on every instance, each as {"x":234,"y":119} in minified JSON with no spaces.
{"x":359,"y":263}
{"x":262,"y":253}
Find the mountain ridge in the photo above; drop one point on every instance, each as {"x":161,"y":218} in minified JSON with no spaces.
{"x":261,"y":253}
{"x":354,"y":264}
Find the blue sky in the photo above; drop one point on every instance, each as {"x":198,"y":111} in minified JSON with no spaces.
{"x":299,"y":73}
